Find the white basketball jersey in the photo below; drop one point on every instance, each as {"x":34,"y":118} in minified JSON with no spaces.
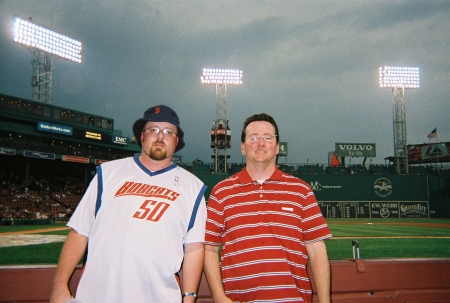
{"x":137,"y":238}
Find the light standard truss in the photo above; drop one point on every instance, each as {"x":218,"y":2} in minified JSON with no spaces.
{"x":221,"y":78}
{"x":399,"y":127}
{"x":41,"y":81}
{"x":399,"y":79}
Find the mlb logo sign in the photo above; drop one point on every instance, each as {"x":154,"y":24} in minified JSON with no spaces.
{"x":283,"y":152}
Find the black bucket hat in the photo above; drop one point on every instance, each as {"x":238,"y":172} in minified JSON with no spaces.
{"x":159,"y":113}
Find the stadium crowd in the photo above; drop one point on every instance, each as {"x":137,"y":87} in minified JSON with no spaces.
{"x":49,"y":197}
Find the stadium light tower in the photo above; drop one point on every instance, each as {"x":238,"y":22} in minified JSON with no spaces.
{"x":220,"y":133}
{"x":44,"y":43}
{"x":399,"y":79}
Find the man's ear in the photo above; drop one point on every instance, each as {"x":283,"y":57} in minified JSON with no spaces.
{"x":243,"y":149}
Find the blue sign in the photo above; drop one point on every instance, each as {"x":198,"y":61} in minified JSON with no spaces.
{"x":40,"y":155}
{"x":119,"y":140}
{"x":55,"y":128}
{"x":7,"y":151}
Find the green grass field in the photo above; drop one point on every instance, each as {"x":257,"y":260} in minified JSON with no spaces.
{"x":392,"y":238}
{"x":378,"y":238}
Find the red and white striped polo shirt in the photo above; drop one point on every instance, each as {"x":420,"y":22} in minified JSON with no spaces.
{"x":263,"y":229}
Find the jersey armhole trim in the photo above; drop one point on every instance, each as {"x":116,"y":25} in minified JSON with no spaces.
{"x":99,"y":189}
{"x":196,"y":206}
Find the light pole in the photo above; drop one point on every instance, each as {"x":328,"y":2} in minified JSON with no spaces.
{"x":44,"y":43}
{"x":399,"y":79}
{"x":220,"y":132}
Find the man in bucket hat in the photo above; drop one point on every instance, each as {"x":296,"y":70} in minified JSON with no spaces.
{"x":144,"y":220}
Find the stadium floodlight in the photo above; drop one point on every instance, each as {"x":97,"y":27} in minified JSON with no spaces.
{"x":397,"y":76}
{"x":221,"y":76}
{"x":44,"y":43}
{"x":37,"y":37}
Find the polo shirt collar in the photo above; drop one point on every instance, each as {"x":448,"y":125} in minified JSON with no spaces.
{"x":245,"y":178}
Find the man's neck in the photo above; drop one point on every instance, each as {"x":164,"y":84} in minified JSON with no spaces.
{"x":260,"y":171}
{"x":154,"y":165}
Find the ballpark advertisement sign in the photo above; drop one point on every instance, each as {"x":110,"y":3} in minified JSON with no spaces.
{"x":119,"y":140}
{"x":7,"y":151}
{"x":368,"y":209}
{"x":382,"y":187}
{"x":384,"y":209}
{"x":427,"y":153}
{"x":355,"y":149}
{"x":37,"y":154}
{"x":54,"y":128}
{"x":283,"y":152}
{"x":399,"y":209}
{"x":413,"y":210}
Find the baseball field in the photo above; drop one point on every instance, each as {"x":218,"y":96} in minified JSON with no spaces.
{"x":377,"y":238}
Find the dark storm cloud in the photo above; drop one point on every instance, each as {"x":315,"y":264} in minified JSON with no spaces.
{"x":312,"y":65}
{"x":388,"y":15}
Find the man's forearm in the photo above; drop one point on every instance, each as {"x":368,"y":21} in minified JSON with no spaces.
{"x":192,"y":269}
{"x":213,"y":275}
{"x":320,"y":267}
{"x":71,"y":254}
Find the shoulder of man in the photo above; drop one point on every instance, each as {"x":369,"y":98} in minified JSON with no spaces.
{"x":291,"y":178}
{"x":116,"y":162}
{"x":185,"y":173}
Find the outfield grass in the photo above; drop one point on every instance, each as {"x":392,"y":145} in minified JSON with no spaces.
{"x":389,"y":238}
{"x":14,"y":228}
{"x":390,"y":248}
{"x":380,"y":239}
{"x":386,"y":230}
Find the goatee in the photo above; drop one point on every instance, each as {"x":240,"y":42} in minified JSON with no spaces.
{"x":158,"y":154}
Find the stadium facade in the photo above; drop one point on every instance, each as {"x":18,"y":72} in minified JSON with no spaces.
{"x":38,"y":139}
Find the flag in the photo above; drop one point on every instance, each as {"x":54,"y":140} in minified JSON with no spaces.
{"x":335,"y":160}
{"x":433,"y":134}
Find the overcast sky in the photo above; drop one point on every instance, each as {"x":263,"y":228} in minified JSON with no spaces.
{"x":312,"y":65}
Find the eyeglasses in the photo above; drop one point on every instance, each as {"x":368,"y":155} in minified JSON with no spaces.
{"x":155,"y":131}
{"x":266,"y":138}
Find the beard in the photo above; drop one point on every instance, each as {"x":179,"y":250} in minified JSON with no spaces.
{"x":157,"y":153}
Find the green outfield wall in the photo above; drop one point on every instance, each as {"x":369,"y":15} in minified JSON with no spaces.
{"x":368,"y":196}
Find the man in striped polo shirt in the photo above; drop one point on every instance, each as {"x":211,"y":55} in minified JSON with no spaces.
{"x":269,"y":225}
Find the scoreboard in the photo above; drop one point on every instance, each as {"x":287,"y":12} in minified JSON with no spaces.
{"x":367,"y":209}
{"x":345,"y":209}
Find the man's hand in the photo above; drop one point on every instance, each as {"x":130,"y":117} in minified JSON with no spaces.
{"x":60,"y":295}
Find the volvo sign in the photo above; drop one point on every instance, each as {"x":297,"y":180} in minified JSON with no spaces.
{"x":355,"y":149}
